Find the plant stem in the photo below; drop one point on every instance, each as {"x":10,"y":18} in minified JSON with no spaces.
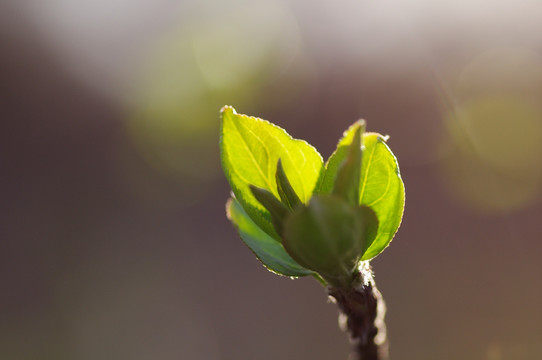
{"x":362,"y":315}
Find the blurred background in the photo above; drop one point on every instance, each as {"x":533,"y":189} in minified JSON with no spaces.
{"x":113,"y":238}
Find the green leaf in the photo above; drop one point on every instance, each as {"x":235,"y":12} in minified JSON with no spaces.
{"x":371,"y":222}
{"x":382,"y":190}
{"x":269,"y":251}
{"x":347,"y":181}
{"x":278,"y":210}
{"x":250,"y":149}
{"x":329,"y":236}
{"x":286,"y":192}
{"x":336,"y":159}
{"x":381,"y":187}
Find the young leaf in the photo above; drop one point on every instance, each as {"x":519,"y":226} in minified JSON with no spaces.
{"x":382,"y":190}
{"x":278,"y":211}
{"x":250,"y":149}
{"x":336,"y":159}
{"x":347,"y":181}
{"x":329,"y":236}
{"x":269,"y":251}
{"x":381,"y":187}
{"x":285,"y":190}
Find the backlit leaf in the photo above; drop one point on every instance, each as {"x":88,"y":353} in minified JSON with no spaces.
{"x":250,"y":149}
{"x":381,"y":187}
{"x":382,"y":190}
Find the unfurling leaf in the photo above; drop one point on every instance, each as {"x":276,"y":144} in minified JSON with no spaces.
{"x":347,"y":181}
{"x":277,"y":209}
{"x":329,"y":236}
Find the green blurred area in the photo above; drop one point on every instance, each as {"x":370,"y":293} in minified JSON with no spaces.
{"x":495,"y":130}
{"x":190,"y":73}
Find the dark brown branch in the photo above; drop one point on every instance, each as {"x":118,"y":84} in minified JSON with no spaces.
{"x":362,"y":315}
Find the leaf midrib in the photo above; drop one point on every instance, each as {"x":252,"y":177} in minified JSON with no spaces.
{"x":266,"y":180}
{"x":289,"y":157}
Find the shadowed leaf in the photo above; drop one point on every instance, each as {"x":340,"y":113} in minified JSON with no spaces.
{"x":268,"y":250}
{"x":329,"y":236}
{"x":277,"y":209}
{"x":284,"y":188}
{"x":347,"y":181}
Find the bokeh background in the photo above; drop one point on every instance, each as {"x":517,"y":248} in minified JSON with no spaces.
{"x":113,"y":239}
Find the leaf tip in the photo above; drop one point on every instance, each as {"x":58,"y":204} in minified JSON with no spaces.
{"x":226,"y":110}
{"x":361,"y":123}
{"x":378,"y":136}
{"x":359,"y":127}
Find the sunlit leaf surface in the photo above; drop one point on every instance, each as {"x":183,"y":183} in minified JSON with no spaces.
{"x":381,"y":187}
{"x":250,"y":150}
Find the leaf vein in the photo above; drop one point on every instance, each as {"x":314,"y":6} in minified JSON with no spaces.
{"x":257,"y":166}
{"x":384,"y":193}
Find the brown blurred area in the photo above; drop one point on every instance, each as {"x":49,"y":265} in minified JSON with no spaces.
{"x":113,"y":238}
